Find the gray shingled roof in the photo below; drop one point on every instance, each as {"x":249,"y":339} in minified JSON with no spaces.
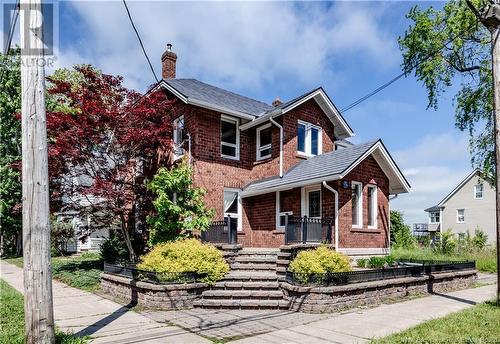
{"x":324,"y":165}
{"x":197,"y":90}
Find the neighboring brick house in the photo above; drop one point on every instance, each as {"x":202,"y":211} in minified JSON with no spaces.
{"x":469,"y":206}
{"x":260,"y":162}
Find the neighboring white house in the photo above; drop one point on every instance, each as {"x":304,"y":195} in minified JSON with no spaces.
{"x":469,"y":206}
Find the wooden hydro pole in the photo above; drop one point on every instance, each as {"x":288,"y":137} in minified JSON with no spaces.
{"x":38,"y":308}
{"x":490,"y":18}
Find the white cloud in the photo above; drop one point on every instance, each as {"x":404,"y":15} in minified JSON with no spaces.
{"x":433,"y":167}
{"x":235,"y":44}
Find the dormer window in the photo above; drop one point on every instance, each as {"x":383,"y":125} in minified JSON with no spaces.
{"x":264,"y":139}
{"x":309,"y":140}
{"x":230,"y":138}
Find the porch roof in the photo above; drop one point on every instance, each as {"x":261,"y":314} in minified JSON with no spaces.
{"x":330,"y":166}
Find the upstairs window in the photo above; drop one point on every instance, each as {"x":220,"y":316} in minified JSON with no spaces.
{"x":230,"y":138}
{"x":357,"y":204}
{"x":435,"y":217}
{"x":179,"y":130}
{"x":308,"y":139}
{"x":460,"y":215}
{"x":264,"y":140}
{"x":478,"y":191}
{"x":372,"y":206}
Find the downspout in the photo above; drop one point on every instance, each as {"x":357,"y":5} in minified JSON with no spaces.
{"x":281,"y":144}
{"x":335,"y":192}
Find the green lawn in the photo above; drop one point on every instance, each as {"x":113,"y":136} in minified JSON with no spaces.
{"x":478,"y":324}
{"x":485,"y":259}
{"x":12,"y":319}
{"x":76,"y":271}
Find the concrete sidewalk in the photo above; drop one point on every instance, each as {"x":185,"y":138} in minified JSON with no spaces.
{"x":362,"y":325}
{"x":105,"y":321}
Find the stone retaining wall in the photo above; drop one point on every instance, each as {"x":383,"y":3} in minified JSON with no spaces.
{"x":335,"y":298}
{"x":149,"y":295}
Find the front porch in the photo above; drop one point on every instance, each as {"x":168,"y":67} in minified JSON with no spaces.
{"x":296,"y":230}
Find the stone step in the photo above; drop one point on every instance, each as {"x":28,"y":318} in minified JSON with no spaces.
{"x":240,"y":304}
{"x":243,"y":294}
{"x":256,"y":259}
{"x":253,"y":266}
{"x":251,"y":275}
{"x":259,"y":252}
{"x":235,"y":285}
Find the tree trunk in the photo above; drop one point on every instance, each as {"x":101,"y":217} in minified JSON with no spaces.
{"x":38,"y":308}
{"x":495,"y":49}
{"x":128,"y":242}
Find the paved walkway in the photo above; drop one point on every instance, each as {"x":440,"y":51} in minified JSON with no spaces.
{"x":85,"y":313}
{"x":362,"y":325}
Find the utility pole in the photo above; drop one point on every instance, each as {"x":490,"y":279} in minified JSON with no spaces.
{"x":38,"y":308}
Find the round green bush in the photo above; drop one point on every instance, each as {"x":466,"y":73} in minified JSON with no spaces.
{"x":319,"y":261}
{"x":188,"y":255}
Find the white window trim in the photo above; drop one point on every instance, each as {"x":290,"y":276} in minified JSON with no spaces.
{"x":374,"y":206}
{"x":259,"y":148}
{"x":360,"y":206}
{"x":240,"y":208}
{"x":176,"y":121}
{"x":458,"y":221}
{"x":430,"y":217}
{"x":308,"y":139}
{"x":475,"y":191}
{"x":280,"y":213}
{"x":229,"y":119}
{"x":305,"y":199}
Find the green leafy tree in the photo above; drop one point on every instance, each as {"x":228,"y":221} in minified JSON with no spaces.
{"x":179,"y":207}
{"x":401,"y":236}
{"x":10,"y":154}
{"x":448,"y":48}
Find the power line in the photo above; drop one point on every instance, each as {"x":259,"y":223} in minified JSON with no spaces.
{"x":396,"y":78}
{"x":140,"y":41}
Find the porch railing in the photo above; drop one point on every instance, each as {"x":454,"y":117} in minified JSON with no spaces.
{"x":222,"y":232}
{"x":303,"y":230}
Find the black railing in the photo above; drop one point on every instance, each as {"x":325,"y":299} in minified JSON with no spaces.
{"x":222,"y":232}
{"x":341,"y":278}
{"x":129,"y":271}
{"x":303,"y":230}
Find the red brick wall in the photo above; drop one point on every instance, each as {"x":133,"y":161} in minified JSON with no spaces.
{"x":368,"y":172}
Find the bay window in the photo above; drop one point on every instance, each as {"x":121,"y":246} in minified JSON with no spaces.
{"x":435,"y":217}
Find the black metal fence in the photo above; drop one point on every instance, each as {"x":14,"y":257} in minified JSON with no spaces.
{"x":412,"y":269}
{"x":222,"y":232}
{"x":303,"y":230}
{"x":129,"y":271}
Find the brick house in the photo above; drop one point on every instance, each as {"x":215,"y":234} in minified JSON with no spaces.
{"x":260,"y":163}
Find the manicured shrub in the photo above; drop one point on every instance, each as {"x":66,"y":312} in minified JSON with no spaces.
{"x":114,"y":250}
{"x":187,"y":255}
{"x":319,"y":261}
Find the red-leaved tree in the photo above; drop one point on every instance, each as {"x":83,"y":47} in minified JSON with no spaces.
{"x":104,"y":139}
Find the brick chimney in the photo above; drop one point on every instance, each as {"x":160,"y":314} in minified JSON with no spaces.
{"x":168,"y":60}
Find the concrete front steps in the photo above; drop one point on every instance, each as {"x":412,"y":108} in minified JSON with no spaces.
{"x":251,"y":284}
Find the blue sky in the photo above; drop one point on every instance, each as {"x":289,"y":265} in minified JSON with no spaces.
{"x":269,"y":49}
